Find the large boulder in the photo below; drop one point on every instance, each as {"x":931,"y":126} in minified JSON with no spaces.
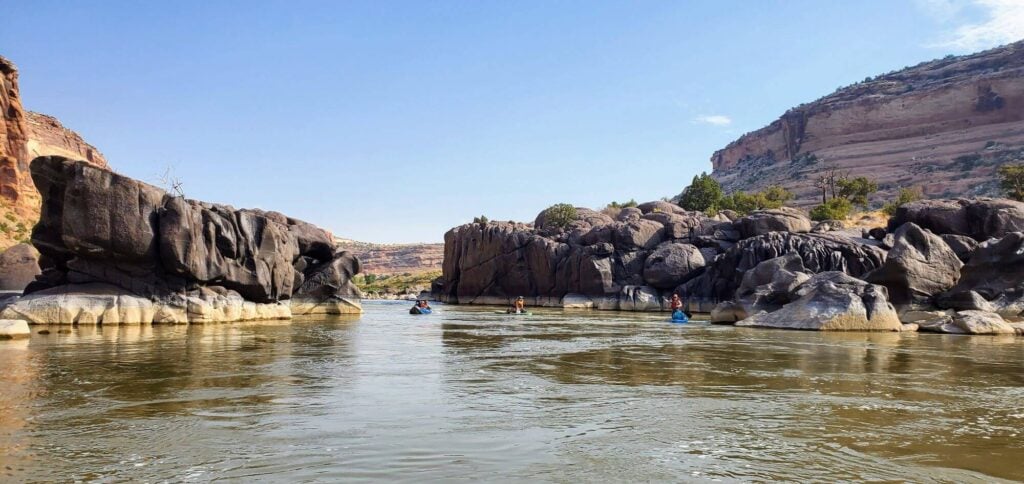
{"x":962,"y":245}
{"x":978,"y":218}
{"x":19,"y":266}
{"x":671,"y":264}
{"x":639,"y":234}
{"x":14,"y":328}
{"x":919,"y":266}
{"x":817,"y":252}
{"x":832,"y":301}
{"x":766,"y":287}
{"x":783,"y":219}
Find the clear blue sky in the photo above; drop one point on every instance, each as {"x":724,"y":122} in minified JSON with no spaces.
{"x":394,"y":121}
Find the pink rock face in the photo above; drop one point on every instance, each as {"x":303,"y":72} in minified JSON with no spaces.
{"x":944,"y":125}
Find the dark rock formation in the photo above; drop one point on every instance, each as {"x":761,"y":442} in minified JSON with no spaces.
{"x":992,"y":280}
{"x":919,"y":266}
{"x":670,"y":264}
{"x":962,"y":245}
{"x":978,"y":218}
{"x":818,"y":253}
{"x":101,"y":228}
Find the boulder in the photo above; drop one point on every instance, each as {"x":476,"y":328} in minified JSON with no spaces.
{"x":784,"y":219}
{"x":978,"y":218}
{"x":14,"y":328}
{"x":962,"y":245}
{"x":828,"y":226}
{"x":662,"y":207}
{"x":629,"y":214}
{"x":969,"y":322}
{"x":919,"y":266}
{"x":877,"y":233}
{"x":832,"y":301}
{"x":671,"y":264}
{"x":19,"y":266}
{"x":639,"y":298}
{"x":639,"y":234}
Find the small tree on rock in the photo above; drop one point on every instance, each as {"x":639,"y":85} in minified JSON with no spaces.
{"x":703,"y":194}
{"x":559,"y":215}
{"x":856,"y":190}
{"x":834,"y":209}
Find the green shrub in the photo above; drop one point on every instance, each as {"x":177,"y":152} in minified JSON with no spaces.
{"x":906,"y":195}
{"x":834,"y":209}
{"x":629,"y":204}
{"x":857,"y":190}
{"x":703,"y":194}
{"x":559,"y":215}
{"x":481,"y":220}
{"x":1011,"y":180}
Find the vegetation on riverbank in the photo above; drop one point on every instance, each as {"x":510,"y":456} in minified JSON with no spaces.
{"x":406,"y":283}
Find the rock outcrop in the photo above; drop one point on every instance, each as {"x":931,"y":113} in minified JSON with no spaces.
{"x":919,"y":266}
{"x":979,"y":218}
{"x":953,"y":121}
{"x":832,"y":301}
{"x":117,"y":250}
{"x":19,"y":266}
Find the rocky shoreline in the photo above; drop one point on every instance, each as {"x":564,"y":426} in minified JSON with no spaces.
{"x":114,"y":250}
{"x":950,"y":266}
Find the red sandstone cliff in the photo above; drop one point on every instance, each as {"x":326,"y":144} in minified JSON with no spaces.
{"x":25,"y":135}
{"x":944,"y":126}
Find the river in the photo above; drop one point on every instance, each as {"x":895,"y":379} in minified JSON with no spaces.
{"x":466,"y":394}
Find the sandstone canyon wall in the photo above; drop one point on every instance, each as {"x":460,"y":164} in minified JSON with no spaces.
{"x":944,"y":126}
{"x":391,"y":259}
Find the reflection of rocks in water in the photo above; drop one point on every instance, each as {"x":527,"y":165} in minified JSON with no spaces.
{"x":19,"y":384}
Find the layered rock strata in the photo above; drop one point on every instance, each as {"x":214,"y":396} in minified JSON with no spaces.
{"x":952,"y":121}
{"x":116,"y":250}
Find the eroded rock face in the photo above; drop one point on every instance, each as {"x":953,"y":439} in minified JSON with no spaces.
{"x":832,"y":301}
{"x":919,"y":266}
{"x":784,"y":219}
{"x":978,"y":218}
{"x":817,"y":252}
{"x":593,"y":258}
{"x":992,"y":280}
{"x":100,"y":228}
{"x":964,"y":115}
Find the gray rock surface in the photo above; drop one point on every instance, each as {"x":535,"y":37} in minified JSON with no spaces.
{"x":919,"y":266}
{"x":784,"y":219}
{"x":978,"y":218}
{"x":671,"y":264}
{"x":19,"y":266}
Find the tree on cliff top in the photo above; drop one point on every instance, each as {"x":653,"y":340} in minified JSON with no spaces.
{"x":703,"y":194}
{"x":1011,"y":180}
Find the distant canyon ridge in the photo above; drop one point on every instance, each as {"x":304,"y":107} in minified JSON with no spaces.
{"x":943,"y":126}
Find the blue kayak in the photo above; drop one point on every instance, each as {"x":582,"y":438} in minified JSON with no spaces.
{"x":419,"y":311}
{"x":679,"y":317}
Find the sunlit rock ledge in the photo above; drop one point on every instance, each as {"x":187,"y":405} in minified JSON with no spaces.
{"x":114,"y":250}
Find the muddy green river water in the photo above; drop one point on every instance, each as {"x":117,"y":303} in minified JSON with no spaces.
{"x":466,"y":394}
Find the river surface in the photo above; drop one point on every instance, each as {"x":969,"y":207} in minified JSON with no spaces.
{"x":466,"y":394}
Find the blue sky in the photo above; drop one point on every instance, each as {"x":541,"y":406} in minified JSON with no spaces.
{"x":394,"y":121}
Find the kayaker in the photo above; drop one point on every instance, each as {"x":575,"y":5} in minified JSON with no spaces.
{"x":518,"y":307}
{"x":419,"y":307}
{"x":677,"y":306}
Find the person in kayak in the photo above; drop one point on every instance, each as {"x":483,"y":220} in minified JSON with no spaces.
{"x":518,"y":307}
{"x":677,"y":308}
{"x":421,"y":306}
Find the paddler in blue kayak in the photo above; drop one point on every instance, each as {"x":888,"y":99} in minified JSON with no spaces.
{"x":518,"y":307}
{"x":677,"y":308}
{"x":421,"y":307}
